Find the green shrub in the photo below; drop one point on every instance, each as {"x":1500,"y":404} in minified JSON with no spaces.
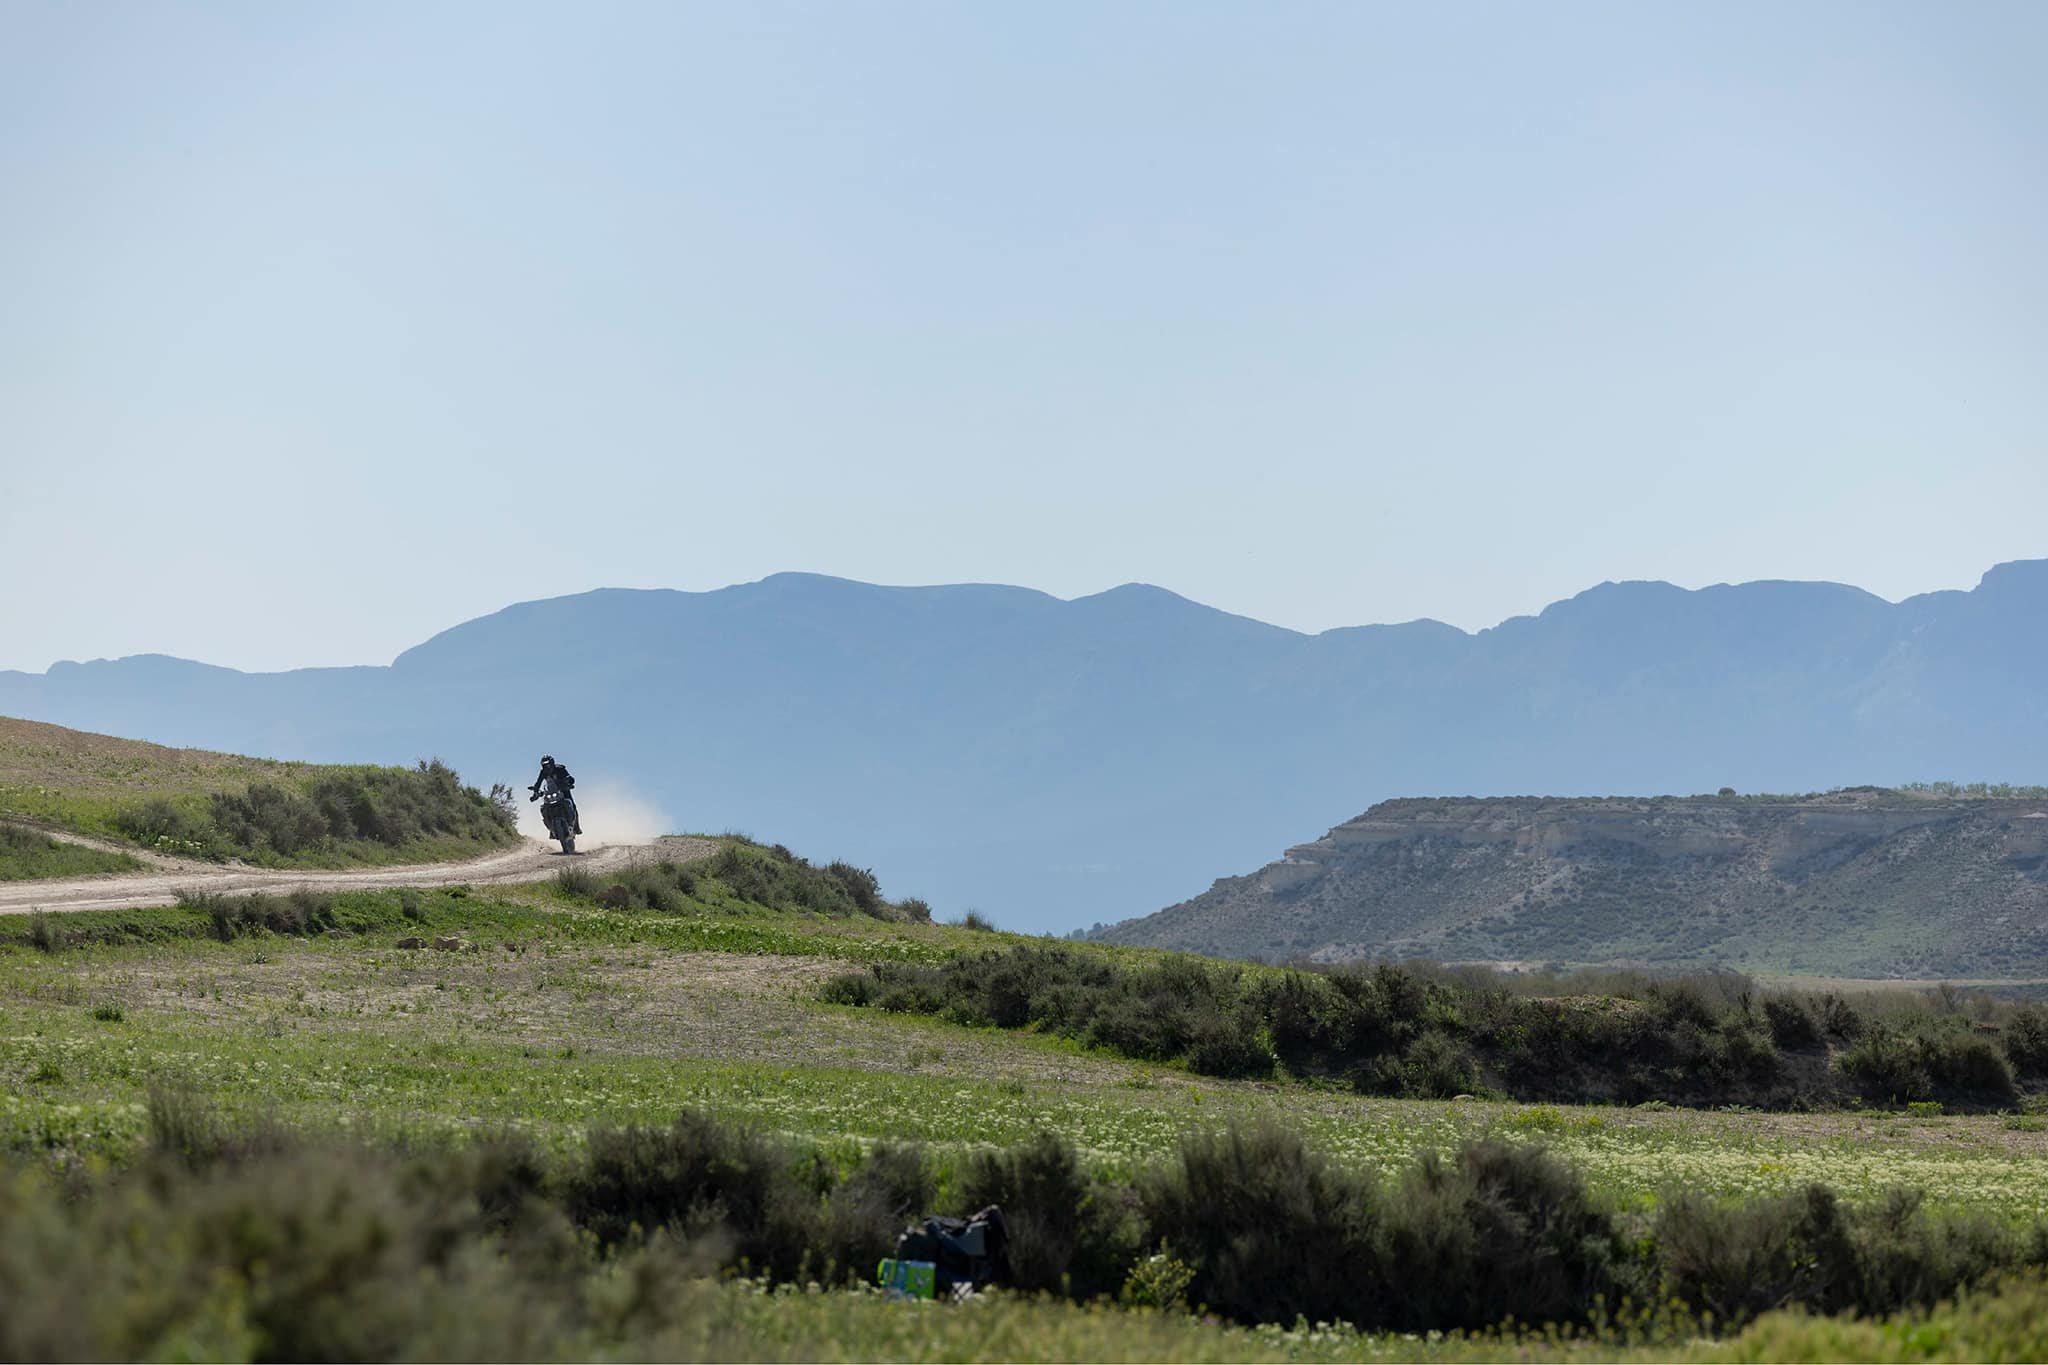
{"x":693,"y":1176}
{"x":1309,"y":1020}
{"x":1225,"y":1044}
{"x":396,"y":806}
{"x":1159,"y":1281}
{"x":385,"y":807}
{"x":858,"y":1219}
{"x":860,"y":884}
{"x":1736,"y":1261}
{"x":665,"y":887}
{"x":1965,"y":1064}
{"x":1271,"y":1230}
{"x":1807,"y":1248}
{"x":1068,"y":1233}
{"x":1938,"y":1058}
{"x":1739,"y":1052}
{"x":1793,"y":1023}
{"x":1839,"y":1019}
{"x":743,"y":1191}
{"x":2026,"y":1041}
{"x":1887,"y":1067}
{"x":158,"y":823}
{"x":267,"y":816}
{"x":297,"y":913}
{"x":1125,"y":1023}
{"x":1502,"y":1231}
{"x":778,"y":878}
{"x":1905,"y":1258}
{"x":1681,"y":1001}
{"x":848,"y":988}
{"x":1434,"y":1067}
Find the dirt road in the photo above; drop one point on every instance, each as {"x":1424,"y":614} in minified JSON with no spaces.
{"x":160,"y":885}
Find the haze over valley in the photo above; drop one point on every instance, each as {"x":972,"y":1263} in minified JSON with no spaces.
{"x":1056,"y":764}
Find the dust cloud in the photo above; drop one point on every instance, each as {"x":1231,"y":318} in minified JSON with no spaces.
{"x":613,"y":813}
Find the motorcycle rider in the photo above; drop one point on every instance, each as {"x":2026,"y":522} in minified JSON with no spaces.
{"x":556,"y":774}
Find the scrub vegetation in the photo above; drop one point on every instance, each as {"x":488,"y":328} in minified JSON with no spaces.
{"x":748,"y":873}
{"x":1431,"y":1033}
{"x":289,"y":1247}
{"x":339,"y":817}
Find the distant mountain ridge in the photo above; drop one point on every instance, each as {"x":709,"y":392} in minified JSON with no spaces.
{"x":1860,"y":883}
{"x":1058,"y":762}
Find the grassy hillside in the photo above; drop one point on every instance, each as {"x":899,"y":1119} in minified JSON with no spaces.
{"x":26,"y":854}
{"x":1865,"y":882}
{"x":220,"y":806}
{"x":456,"y":1146}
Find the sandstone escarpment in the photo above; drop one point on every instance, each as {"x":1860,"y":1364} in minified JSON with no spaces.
{"x":1860,"y":882}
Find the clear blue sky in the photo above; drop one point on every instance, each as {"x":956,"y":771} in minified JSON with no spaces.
{"x":323,"y":327}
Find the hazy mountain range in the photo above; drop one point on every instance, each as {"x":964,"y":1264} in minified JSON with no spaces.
{"x":1059,"y":762}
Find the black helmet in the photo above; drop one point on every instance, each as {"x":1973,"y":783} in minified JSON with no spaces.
{"x":547,"y":758}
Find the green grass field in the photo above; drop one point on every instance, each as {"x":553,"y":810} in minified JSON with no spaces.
{"x":560,"y":1019}
{"x":555,"y":1018}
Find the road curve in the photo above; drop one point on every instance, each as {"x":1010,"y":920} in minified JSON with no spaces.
{"x":531,"y":861}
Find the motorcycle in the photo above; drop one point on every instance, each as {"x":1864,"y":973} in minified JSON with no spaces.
{"x":558,"y":813}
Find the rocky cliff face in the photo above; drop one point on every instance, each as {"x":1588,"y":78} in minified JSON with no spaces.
{"x":1865,"y":882}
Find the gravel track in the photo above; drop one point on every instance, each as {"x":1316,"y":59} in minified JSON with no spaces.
{"x":531,"y":861}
